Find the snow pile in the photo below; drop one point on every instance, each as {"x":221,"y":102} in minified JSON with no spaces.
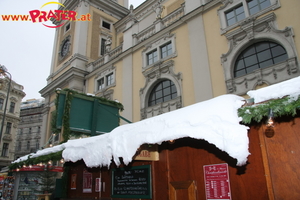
{"x":279,"y":90}
{"x":215,"y":121}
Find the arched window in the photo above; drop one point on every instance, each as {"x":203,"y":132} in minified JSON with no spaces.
{"x":162,"y":92}
{"x":259,"y":55}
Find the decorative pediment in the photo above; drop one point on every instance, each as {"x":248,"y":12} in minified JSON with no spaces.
{"x":3,"y":96}
{"x":7,"y":137}
{"x":255,"y":30}
{"x":13,"y":99}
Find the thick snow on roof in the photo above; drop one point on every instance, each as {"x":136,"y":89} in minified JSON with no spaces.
{"x":215,"y":121}
{"x":279,"y":90}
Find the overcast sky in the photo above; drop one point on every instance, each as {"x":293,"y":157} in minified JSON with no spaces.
{"x":26,"y":47}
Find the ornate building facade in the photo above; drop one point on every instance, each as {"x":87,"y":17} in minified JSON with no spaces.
{"x":168,"y":54}
{"x":11,"y":120}
{"x":30,"y":137}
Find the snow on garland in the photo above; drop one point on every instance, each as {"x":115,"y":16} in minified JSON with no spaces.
{"x":286,"y":106}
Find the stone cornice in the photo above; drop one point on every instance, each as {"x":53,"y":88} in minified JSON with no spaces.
{"x":139,"y":13}
{"x":62,"y":80}
{"x":110,"y":7}
{"x":67,"y":63}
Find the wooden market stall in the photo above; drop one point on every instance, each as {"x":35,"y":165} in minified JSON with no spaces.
{"x":272,"y":171}
{"x":183,"y":168}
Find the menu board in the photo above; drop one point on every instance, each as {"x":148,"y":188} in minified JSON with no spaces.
{"x":217,"y":185}
{"x":132,"y":182}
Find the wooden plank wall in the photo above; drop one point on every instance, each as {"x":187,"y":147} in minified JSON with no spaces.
{"x":283,"y":158}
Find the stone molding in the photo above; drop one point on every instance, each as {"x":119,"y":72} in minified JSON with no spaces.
{"x":254,"y":30}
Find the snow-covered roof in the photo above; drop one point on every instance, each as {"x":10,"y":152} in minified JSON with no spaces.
{"x":32,"y":103}
{"x":215,"y":121}
{"x":279,"y":90}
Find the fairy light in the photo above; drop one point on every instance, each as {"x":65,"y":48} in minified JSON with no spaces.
{"x":270,"y":122}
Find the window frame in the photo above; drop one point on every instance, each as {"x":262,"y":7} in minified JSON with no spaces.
{"x":102,"y":46}
{"x":258,"y":4}
{"x":240,"y":39}
{"x":5,"y":149}
{"x":256,"y":52}
{"x":155,"y":90}
{"x":1,"y":103}
{"x":28,"y":145}
{"x":168,"y":51}
{"x":274,"y":4}
{"x":37,"y":144}
{"x":109,"y":79}
{"x":154,"y":59}
{"x":103,"y":75}
{"x":106,"y":22}
{"x":12,"y":107}
{"x":156,"y":46}
{"x":234,"y":9}
{"x":101,"y":83}
{"x":19,"y":146}
{"x":8,"y":128}
{"x":67,"y":27}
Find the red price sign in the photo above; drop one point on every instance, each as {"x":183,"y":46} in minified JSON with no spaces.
{"x":217,"y":184}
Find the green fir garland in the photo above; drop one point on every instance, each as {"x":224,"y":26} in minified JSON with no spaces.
{"x":66,"y":117}
{"x":286,"y":106}
{"x":37,"y":160}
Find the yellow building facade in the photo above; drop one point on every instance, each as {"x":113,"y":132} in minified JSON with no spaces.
{"x":168,"y":54}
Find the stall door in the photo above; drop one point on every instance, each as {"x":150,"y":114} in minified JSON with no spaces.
{"x":183,"y":190}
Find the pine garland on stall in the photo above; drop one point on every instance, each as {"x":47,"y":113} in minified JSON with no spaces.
{"x":286,"y":106}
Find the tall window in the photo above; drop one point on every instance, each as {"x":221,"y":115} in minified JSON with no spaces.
{"x":102,"y":46}
{"x":29,"y":130}
{"x":109,"y":79}
{"x":37,"y":144}
{"x":28,"y":145}
{"x":1,"y":103}
{"x":19,"y":146}
{"x":4,"y":150}
{"x":152,"y":57}
{"x":100,"y":83}
{"x":166,"y":50}
{"x":162,"y":92}
{"x":259,"y":55}
{"x":12,"y":107}
{"x":8,"y":128}
{"x":256,"y":5}
{"x":234,"y":15}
